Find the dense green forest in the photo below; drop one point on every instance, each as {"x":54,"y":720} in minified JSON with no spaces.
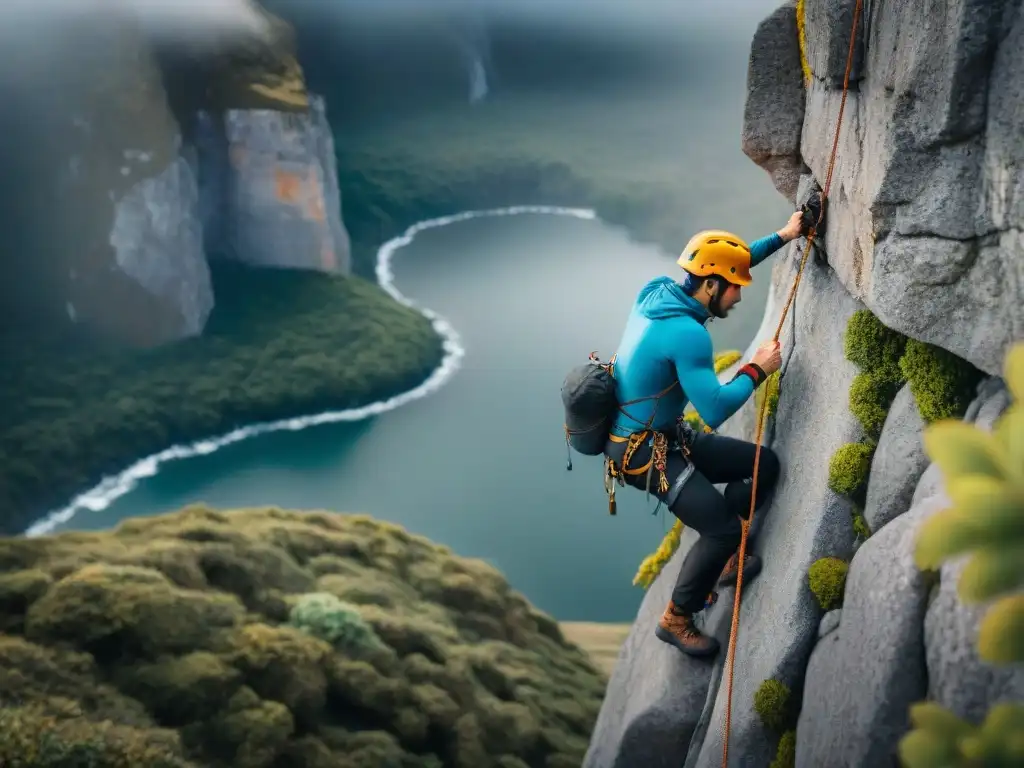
{"x":279,"y":343}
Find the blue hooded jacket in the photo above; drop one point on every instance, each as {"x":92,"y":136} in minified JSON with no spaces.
{"x":665,"y":340}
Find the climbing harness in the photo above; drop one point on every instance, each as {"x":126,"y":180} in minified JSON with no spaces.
{"x":745,"y":527}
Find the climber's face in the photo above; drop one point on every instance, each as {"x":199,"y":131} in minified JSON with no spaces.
{"x":728,"y":296}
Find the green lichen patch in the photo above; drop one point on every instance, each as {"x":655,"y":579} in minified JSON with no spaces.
{"x":849,"y":469}
{"x":827,"y":580}
{"x":262,"y":638}
{"x":767,"y":395}
{"x":785,"y":756}
{"x":773,"y":704}
{"x":942,"y":384}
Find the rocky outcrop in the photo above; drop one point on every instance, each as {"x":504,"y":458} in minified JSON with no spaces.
{"x":114,"y":208}
{"x":273,"y":197}
{"x":150,"y":155}
{"x":773,"y":114}
{"x":927,"y":225}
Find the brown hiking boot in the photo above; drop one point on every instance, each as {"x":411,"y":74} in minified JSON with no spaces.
{"x":751,"y":567}
{"x":676,"y":628}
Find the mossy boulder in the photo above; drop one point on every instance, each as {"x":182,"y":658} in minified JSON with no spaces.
{"x":265,"y":638}
{"x":827,"y":580}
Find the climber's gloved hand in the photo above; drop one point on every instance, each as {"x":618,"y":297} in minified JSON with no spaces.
{"x":811,"y":211}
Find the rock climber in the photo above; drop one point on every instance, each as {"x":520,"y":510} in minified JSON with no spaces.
{"x":666,"y":342}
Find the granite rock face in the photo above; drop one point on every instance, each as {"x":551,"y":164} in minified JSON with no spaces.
{"x":655,"y":694}
{"x":773,"y":114}
{"x":927,"y":219}
{"x":898,"y":463}
{"x":276,"y":200}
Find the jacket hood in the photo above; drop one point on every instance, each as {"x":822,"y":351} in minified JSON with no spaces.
{"x":663,"y":297}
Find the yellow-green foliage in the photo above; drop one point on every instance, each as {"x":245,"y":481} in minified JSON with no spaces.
{"x":785,"y":756}
{"x":652,"y":564}
{"x":772,"y":702}
{"x":827,"y":579}
{"x":725,"y":359}
{"x":279,"y":343}
{"x":943,"y":384}
{"x":801,"y":30}
{"x":849,"y":469}
{"x":940,"y":738}
{"x":218,"y":639}
{"x":984,"y":478}
{"x":768,"y":391}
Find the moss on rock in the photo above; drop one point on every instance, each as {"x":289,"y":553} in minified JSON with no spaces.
{"x":943,"y":385}
{"x":871,"y":345}
{"x":871,"y":395}
{"x":215,"y":639}
{"x":772,"y":702}
{"x":785,"y":756}
{"x":827,"y":580}
{"x":849,"y":469}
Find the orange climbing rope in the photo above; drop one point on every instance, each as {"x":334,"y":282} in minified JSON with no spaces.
{"x":734,"y":631}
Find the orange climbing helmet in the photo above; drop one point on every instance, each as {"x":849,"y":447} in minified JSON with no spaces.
{"x":716,"y":252}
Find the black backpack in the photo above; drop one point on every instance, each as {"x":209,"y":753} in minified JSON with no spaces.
{"x":590,"y":403}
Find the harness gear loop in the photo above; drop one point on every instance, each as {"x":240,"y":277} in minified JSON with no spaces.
{"x":745,"y":526}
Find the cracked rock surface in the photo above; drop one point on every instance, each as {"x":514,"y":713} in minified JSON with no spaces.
{"x":927,"y":219}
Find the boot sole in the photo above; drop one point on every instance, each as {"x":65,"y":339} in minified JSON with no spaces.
{"x":749,"y":572}
{"x":667,"y":637}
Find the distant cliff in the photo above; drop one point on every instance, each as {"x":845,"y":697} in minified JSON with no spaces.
{"x":129,"y":184}
{"x":906,"y":320}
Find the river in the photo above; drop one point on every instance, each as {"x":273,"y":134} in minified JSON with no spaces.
{"x":478,"y":463}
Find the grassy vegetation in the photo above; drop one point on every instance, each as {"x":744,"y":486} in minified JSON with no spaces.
{"x":279,"y":343}
{"x":197,"y":639}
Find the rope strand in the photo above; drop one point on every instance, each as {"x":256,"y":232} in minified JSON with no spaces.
{"x":734,"y":630}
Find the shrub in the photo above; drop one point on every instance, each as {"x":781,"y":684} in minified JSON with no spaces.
{"x":466,"y":667}
{"x":943,"y":385}
{"x":785,"y":756}
{"x":323,"y":615}
{"x":827,"y":579}
{"x":871,"y":345}
{"x":725,"y":359}
{"x":772,"y":701}
{"x":652,"y":564}
{"x":849,"y":469}
{"x":769,"y":391}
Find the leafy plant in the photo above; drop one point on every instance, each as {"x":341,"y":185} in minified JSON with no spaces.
{"x":984,"y":476}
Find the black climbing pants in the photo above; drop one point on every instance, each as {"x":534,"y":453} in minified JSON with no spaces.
{"x":699,"y":505}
